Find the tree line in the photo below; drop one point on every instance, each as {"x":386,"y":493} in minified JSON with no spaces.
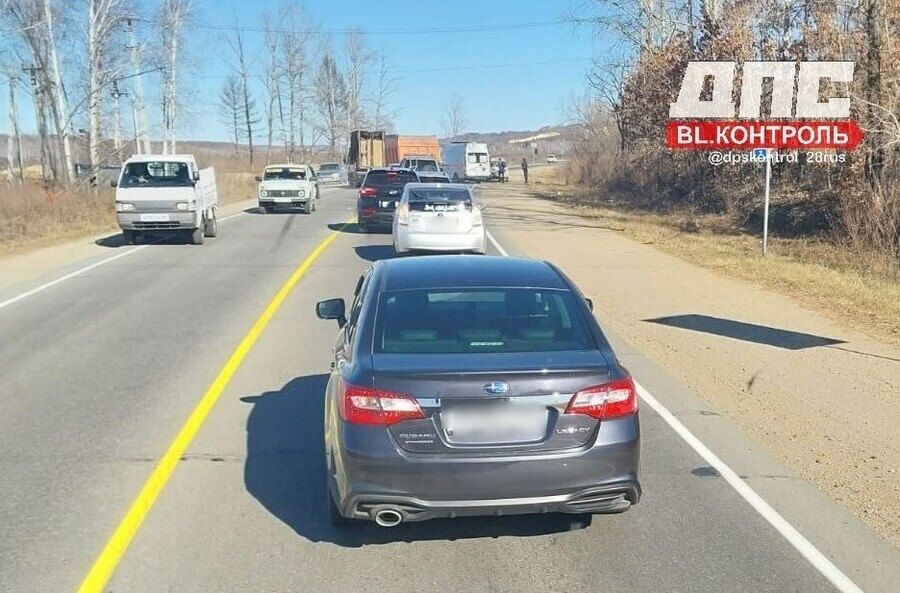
{"x":624,"y":112}
{"x":83,"y":64}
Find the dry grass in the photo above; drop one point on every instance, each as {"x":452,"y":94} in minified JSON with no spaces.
{"x":32,"y":216}
{"x":859,"y":289}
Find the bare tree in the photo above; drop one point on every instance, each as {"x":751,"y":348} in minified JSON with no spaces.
{"x":385,"y":85}
{"x":295,"y":64}
{"x":175,"y":14}
{"x":248,"y":104}
{"x":273,"y":84}
{"x":58,"y":95}
{"x":230,"y":109}
{"x":104,"y":17}
{"x":455,"y":119}
{"x":358,"y":60}
{"x":331,"y":98}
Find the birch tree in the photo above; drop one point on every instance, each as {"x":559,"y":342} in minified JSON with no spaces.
{"x":295,"y":63}
{"x":104,"y":18}
{"x":273,"y":84}
{"x":175,"y":14}
{"x":358,"y":59}
{"x":58,"y":95}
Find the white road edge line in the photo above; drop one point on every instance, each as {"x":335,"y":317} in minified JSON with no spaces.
{"x":496,"y":245}
{"x":790,"y":533}
{"x":80,"y":271}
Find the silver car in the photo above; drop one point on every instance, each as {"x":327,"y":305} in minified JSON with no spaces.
{"x":475,"y":386}
{"x":439,"y":217}
{"x":332,"y":173}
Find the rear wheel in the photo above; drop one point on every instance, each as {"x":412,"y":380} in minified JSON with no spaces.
{"x":307,"y":207}
{"x":212,"y":226}
{"x":197,"y":236}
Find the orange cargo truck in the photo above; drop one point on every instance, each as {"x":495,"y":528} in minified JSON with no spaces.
{"x":396,"y":147}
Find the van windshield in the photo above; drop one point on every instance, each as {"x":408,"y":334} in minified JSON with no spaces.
{"x":156,"y":173}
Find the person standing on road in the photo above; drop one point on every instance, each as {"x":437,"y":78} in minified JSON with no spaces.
{"x":501,"y":170}
{"x":525,"y":169}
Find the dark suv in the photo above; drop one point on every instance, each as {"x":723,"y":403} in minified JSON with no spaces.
{"x":379,"y":195}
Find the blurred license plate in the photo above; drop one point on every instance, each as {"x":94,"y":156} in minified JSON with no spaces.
{"x":282,"y":200}
{"x":154,"y":218}
{"x":388,"y":204}
{"x":506,"y":423}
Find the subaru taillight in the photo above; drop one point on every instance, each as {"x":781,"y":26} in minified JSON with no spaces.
{"x":367,"y":405}
{"x":367,"y":192}
{"x":610,"y":400}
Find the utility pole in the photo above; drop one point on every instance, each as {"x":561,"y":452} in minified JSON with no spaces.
{"x":117,"y":118}
{"x":14,"y":140}
{"x":142,"y":145}
{"x":39,"y":112}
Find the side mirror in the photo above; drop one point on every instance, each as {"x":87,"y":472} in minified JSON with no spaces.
{"x":332,"y":309}
{"x":258,"y":178}
{"x":114,"y":183}
{"x":590,"y":304}
{"x":196,"y":175}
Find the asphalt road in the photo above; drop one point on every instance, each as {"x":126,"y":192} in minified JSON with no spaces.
{"x":99,"y":373}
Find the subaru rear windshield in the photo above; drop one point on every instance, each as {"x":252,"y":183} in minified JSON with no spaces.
{"x":479,"y":320}
{"x":390,"y":177}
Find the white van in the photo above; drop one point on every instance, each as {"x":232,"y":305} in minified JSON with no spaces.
{"x":166,"y":193}
{"x":466,"y":161}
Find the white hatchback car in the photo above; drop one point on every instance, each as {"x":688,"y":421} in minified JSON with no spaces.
{"x":438,"y":217}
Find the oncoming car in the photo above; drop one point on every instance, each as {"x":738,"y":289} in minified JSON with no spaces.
{"x":468,"y":386}
{"x":438,"y":217}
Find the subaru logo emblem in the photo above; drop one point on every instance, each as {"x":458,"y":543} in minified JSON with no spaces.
{"x":497,"y":388}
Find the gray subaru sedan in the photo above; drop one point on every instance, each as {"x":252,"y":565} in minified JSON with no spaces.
{"x":465,"y":386}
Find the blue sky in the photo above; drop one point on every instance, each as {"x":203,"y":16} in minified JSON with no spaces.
{"x":544,"y":64}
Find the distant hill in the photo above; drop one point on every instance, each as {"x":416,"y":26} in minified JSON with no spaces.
{"x":498,"y":145}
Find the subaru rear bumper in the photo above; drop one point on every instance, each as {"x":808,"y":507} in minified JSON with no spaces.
{"x":368,"y":471}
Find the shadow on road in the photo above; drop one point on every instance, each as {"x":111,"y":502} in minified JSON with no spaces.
{"x":270,"y":211}
{"x":112,"y":241}
{"x":748,"y":332}
{"x":374,"y":253}
{"x":285,"y":472}
{"x":118,"y":240}
{"x":352,"y":228}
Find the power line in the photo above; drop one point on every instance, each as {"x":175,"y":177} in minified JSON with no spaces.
{"x":371,"y":32}
{"x":454,"y":68}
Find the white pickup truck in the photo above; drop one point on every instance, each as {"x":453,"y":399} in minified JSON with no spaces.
{"x":288,"y":185}
{"x":166,"y":193}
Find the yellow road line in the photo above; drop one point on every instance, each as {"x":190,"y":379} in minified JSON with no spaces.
{"x":115,"y":548}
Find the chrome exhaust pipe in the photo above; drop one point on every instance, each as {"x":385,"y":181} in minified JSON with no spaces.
{"x":388,"y":517}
